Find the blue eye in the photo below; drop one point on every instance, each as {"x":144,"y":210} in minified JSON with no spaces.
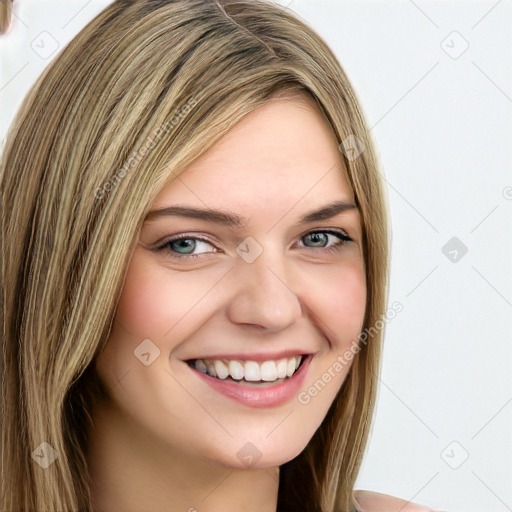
{"x":181,"y":247}
{"x":185,"y":244}
{"x":341,"y":237}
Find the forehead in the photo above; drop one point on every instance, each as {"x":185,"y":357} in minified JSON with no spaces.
{"x":281,"y":154}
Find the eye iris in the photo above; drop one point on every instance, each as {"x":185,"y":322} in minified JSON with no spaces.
{"x":316,"y":236}
{"x":185,"y":243}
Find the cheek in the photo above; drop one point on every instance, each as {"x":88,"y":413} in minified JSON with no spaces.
{"x":154,"y":298}
{"x":341,"y":303}
{"x":144,"y":308}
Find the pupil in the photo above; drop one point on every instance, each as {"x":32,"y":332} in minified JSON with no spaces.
{"x":184,"y":244}
{"x":317,"y":236}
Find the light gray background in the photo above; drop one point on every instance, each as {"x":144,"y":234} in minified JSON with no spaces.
{"x":441,"y":116}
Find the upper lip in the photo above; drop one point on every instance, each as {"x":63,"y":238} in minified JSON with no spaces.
{"x":255,"y":356}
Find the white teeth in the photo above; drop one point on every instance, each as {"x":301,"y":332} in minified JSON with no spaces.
{"x":281,"y":369}
{"x":201,"y":366}
{"x":211,"y":369}
{"x":221,"y":369}
{"x":236,"y":370}
{"x":290,"y":367}
{"x":252,"y":371}
{"x":268,"y":371}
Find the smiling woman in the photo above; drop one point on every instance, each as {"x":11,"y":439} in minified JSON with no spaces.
{"x":197,"y":238}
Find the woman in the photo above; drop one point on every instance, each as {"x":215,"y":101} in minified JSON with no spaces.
{"x":190,"y":263}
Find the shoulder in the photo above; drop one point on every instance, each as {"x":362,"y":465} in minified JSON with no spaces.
{"x":369,"y":501}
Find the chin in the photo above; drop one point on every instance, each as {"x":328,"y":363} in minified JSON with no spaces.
{"x":249,"y":455}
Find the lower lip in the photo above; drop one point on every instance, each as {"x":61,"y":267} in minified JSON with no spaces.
{"x":253,"y":396}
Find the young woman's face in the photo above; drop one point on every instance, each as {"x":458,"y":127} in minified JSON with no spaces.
{"x":242,"y":300}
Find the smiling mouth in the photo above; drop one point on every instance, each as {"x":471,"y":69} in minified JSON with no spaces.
{"x":249,"y":372}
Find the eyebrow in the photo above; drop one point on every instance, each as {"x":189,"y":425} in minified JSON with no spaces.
{"x":235,"y":221}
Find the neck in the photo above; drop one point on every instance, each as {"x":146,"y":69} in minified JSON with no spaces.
{"x":133,"y":472}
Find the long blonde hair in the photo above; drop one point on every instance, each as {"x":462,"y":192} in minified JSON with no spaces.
{"x":171,"y":77}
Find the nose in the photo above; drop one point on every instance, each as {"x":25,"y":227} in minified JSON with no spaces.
{"x":264,"y":295}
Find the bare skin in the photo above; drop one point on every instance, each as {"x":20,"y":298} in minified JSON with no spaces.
{"x":377,"y":502}
{"x":166,"y":441}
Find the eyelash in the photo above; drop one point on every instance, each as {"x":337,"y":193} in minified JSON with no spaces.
{"x":333,"y":248}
